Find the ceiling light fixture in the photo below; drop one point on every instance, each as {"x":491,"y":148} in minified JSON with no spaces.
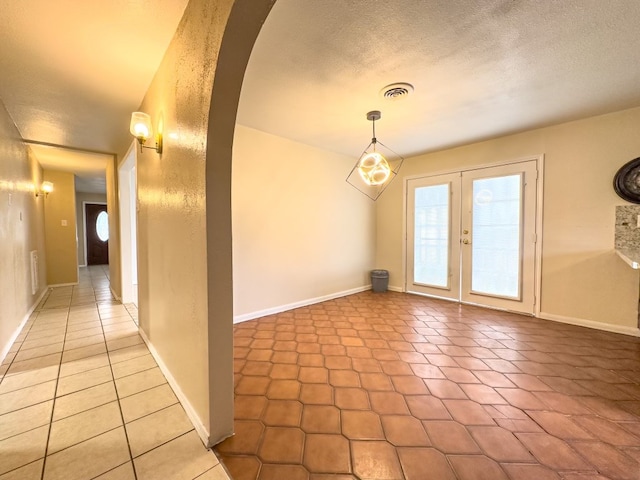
{"x":45,"y":189}
{"x":141,"y":129}
{"x":377,"y":166}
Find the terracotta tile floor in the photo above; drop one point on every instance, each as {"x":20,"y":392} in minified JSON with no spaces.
{"x":82,"y":398}
{"x":395,"y":386}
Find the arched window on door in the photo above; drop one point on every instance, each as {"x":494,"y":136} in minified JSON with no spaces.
{"x":102,"y":226}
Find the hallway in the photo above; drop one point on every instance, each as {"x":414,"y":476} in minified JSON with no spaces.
{"x":81,"y":397}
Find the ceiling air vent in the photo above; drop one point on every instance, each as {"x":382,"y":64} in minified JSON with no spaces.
{"x":396,"y":91}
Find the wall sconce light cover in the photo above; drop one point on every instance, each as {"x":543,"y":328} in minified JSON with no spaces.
{"x":141,"y":128}
{"x":45,"y":189}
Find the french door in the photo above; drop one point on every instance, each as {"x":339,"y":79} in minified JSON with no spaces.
{"x":471,"y":236}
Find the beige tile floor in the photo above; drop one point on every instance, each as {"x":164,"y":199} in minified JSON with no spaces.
{"x":81,"y":397}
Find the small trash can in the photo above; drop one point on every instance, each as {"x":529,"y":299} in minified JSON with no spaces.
{"x":379,"y":280}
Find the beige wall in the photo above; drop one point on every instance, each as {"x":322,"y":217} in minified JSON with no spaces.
{"x":113,"y":210}
{"x":61,"y":247}
{"x":582,"y":278}
{"x":299,"y":231}
{"x":171,"y":217}
{"x":189,"y":327}
{"x":242,"y":28}
{"x":21,"y":230}
{"x":81,"y":228}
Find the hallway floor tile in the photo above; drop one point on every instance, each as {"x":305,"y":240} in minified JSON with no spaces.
{"x":81,"y":397}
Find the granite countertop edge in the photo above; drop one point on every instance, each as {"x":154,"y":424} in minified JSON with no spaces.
{"x":630,"y":256}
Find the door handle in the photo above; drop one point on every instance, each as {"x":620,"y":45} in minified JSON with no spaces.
{"x":466,"y":241}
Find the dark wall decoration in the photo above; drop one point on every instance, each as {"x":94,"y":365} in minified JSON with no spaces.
{"x":626,"y":182}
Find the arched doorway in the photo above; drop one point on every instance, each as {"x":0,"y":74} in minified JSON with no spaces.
{"x":242,"y":28}
{"x":184,"y":208}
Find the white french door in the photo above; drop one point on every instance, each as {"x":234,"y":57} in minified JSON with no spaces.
{"x":433,"y":236}
{"x":471,"y":236}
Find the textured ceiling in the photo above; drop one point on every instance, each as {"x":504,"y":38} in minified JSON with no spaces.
{"x":73,"y":71}
{"x":480,"y":69}
{"x":89,"y":168}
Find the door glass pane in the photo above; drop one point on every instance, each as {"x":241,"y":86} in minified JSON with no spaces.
{"x":102,"y":226}
{"x":496,"y":236}
{"x":431,"y":236}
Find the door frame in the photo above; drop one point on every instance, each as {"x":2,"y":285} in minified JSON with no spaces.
{"x":128,"y":224}
{"x":539,"y":159}
{"x":84,"y":227}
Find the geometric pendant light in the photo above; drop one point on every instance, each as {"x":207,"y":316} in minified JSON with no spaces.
{"x":377,"y":166}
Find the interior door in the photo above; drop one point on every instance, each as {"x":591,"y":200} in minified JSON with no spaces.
{"x":471,"y":236}
{"x":97,"y":232}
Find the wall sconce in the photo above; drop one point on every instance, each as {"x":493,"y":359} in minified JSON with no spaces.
{"x":141,"y":129}
{"x":377,"y":166}
{"x":45,"y":189}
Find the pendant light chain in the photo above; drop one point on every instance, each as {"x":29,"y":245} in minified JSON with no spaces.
{"x":374,"y":140}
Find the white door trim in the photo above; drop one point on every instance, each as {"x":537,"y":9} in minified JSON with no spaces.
{"x":127,"y":228}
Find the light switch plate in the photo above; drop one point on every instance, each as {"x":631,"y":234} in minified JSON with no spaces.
{"x":63,"y":223}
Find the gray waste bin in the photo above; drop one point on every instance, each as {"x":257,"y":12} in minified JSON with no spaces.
{"x":380,"y":280}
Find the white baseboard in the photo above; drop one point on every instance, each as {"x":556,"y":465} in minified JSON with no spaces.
{"x":581,"y":322}
{"x":607,"y":327}
{"x":7,"y":347}
{"x":190,"y":411}
{"x":55,"y":285}
{"x":303,"y":303}
{"x":114,"y":293}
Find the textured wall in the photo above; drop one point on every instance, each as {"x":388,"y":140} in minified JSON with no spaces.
{"x":172,"y":295}
{"x":299,"y":230}
{"x":113,"y":210}
{"x":21,"y":229}
{"x":178,"y":312}
{"x":62,"y":249}
{"x":582,"y":278}
{"x":80,"y":198}
{"x":243,"y":26}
